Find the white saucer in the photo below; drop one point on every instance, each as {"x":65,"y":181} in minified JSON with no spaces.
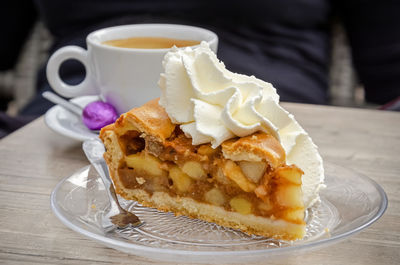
{"x":68,"y":124}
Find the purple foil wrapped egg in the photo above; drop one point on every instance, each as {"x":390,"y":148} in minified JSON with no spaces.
{"x":98,"y":114}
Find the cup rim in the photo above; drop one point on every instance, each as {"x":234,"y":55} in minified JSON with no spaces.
{"x":90,"y":39}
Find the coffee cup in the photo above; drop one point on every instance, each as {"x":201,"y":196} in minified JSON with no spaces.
{"x":123,"y":77}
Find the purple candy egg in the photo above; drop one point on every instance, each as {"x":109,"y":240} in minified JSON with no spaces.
{"x":98,"y":114}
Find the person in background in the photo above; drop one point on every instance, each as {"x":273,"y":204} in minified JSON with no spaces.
{"x":286,"y":43}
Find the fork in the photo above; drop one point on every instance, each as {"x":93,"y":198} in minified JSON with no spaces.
{"x":116,"y":216}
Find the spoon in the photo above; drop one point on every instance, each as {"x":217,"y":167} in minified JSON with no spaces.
{"x":71,"y":106}
{"x":94,"y":115}
{"x":116,"y":216}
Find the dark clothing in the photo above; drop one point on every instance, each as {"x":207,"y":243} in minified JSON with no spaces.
{"x":286,"y":43}
{"x":374,"y":36}
{"x":267,"y":39}
{"x":16,"y":20}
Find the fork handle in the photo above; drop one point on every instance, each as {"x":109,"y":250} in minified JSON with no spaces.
{"x":114,"y":195}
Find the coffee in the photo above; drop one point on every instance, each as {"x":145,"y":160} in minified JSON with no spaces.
{"x":150,"y":43}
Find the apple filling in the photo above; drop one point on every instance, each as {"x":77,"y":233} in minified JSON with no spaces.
{"x":243,"y":184}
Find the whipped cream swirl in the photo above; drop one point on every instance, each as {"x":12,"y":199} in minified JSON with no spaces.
{"x":212,"y":105}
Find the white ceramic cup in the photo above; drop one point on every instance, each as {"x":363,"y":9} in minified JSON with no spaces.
{"x":123,"y":77}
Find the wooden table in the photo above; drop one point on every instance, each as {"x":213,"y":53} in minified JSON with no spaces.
{"x":34,"y":159}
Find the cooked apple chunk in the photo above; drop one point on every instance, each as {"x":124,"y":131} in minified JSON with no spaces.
{"x":289,"y":196}
{"x":215,"y":197}
{"x":181,"y":180}
{"x":294,"y":215}
{"x":241,"y":205}
{"x":253,"y":170}
{"x":290,"y":173}
{"x":194,"y":170}
{"x":145,"y":162}
{"x":233,"y":171}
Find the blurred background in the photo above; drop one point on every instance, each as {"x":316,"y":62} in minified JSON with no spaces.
{"x":34,"y":29}
{"x":17,"y":85}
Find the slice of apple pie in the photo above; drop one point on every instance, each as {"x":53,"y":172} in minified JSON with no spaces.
{"x":244,"y":183}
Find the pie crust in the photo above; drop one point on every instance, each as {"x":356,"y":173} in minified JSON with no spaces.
{"x":243,"y":184}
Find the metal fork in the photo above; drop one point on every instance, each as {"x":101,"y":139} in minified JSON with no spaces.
{"x":116,"y":216}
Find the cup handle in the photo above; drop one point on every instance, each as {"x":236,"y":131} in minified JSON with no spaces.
{"x":86,"y":87}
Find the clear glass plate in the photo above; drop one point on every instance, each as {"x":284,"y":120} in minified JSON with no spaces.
{"x":350,"y":203}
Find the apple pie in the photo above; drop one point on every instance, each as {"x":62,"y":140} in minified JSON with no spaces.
{"x":243,"y":184}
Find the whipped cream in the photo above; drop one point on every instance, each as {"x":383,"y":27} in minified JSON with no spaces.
{"x":212,"y":105}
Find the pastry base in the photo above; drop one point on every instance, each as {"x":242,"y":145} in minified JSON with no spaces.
{"x":250,"y":224}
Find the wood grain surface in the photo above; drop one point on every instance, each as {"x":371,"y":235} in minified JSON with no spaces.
{"x":34,"y":159}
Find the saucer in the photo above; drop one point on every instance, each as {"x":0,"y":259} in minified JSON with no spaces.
{"x":69,"y":124}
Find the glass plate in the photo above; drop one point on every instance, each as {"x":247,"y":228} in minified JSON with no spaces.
{"x":350,"y":203}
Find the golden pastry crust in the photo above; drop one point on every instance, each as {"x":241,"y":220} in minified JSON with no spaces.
{"x":151,"y":124}
{"x":249,"y":224}
{"x":255,"y":147}
{"x":150,"y":119}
